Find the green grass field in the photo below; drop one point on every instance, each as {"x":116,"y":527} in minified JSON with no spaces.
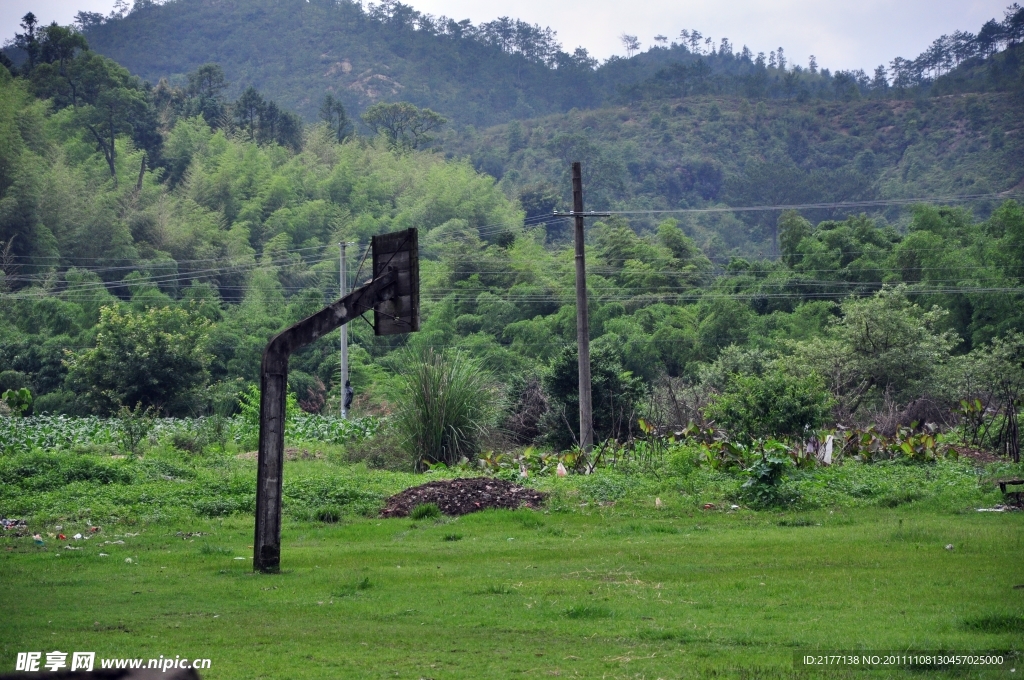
{"x":613,"y":593}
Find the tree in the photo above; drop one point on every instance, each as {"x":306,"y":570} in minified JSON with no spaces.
{"x":205,"y":93}
{"x":115,"y":111}
{"x":775,"y":404}
{"x":57,"y":77}
{"x":616,"y":395}
{"x":332,"y":112}
{"x":403,"y":124}
{"x":882,"y":345}
{"x":28,"y":41}
{"x":631,"y":44}
{"x":792,"y":229}
{"x":154,"y":358}
{"x":248,"y":110}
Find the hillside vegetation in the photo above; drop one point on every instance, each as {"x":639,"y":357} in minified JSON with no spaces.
{"x":154,"y":238}
{"x":296,"y":51}
{"x":707,"y":151}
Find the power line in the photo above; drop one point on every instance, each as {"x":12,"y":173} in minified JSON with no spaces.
{"x":815,"y":206}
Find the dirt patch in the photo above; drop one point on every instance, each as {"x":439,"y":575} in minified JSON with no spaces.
{"x":463,"y":496}
{"x":977,"y":455}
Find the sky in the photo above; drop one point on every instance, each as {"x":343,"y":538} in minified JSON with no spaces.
{"x":842,"y":35}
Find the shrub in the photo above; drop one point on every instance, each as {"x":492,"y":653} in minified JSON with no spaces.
{"x":382,"y":451}
{"x":135,"y":425}
{"x":762,"y":488}
{"x":329,"y":515}
{"x":776,"y":404}
{"x":443,"y":406}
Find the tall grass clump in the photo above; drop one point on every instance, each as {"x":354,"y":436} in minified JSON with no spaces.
{"x":444,"y":402}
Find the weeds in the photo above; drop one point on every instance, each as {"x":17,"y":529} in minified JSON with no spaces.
{"x":444,"y":406}
{"x":425,"y":511}
{"x":135,"y":426}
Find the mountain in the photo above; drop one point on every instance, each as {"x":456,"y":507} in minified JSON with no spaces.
{"x":707,"y":151}
{"x":297,"y":51}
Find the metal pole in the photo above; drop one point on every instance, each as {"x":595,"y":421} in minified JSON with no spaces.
{"x":582,"y":315}
{"x":343,"y":279}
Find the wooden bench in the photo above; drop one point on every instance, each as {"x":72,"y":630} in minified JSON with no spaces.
{"x":1011,"y":482}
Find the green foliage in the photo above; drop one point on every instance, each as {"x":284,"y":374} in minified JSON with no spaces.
{"x":225,"y":235}
{"x":616,"y":395}
{"x":765,"y":476}
{"x":187,"y":434}
{"x":775,"y":404}
{"x":444,"y":405}
{"x":156,"y":358}
{"x":402,"y":124}
{"x":135,"y":425}
{"x":881,"y":345}
{"x":18,"y":401}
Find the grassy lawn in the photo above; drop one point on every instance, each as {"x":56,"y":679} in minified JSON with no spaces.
{"x":613,"y":593}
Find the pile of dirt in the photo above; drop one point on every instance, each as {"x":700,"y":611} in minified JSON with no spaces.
{"x":463,"y":496}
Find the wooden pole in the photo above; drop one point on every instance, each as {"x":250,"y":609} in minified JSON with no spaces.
{"x":582,"y":315}
{"x":343,"y":279}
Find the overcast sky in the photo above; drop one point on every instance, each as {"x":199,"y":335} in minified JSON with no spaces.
{"x":842,"y":35}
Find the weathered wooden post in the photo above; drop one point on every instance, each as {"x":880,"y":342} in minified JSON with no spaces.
{"x":393,"y":295}
{"x":582,"y":314}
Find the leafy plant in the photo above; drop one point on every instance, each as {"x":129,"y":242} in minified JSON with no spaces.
{"x":249,"y":405}
{"x":19,"y":401}
{"x":767,"y":473}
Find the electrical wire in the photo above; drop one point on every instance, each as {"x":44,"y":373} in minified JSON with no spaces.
{"x":812,"y":206}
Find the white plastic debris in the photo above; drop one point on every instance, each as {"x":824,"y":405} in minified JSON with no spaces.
{"x":128,"y":560}
{"x":658,"y":503}
{"x":560,"y":470}
{"x":77,"y":537}
{"x":949,"y":546}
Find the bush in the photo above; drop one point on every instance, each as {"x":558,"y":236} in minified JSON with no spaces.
{"x":382,"y":451}
{"x":762,"y":488}
{"x":443,"y":406}
{"x":776,"y":404}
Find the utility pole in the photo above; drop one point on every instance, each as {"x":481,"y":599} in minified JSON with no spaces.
{"x":343,"y":279}
{"x":582,"y":315}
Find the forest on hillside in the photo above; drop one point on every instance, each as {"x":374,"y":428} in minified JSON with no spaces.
{"x":688,"y":124}
{"x":152,"y":239}
{"x":151,"y":268}
{"x":297,"y":51}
